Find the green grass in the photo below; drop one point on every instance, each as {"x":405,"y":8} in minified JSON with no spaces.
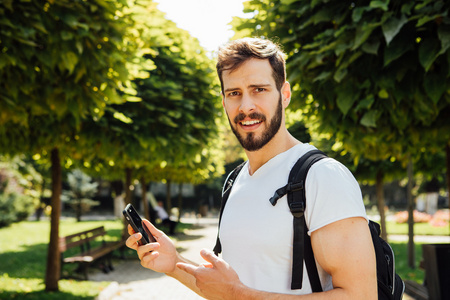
{"x":419,"y":229}
{"x":401,"y":261}
{"x":401,"y":248}
{"x":23,"y":255}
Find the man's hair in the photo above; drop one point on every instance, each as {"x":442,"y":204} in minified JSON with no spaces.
{"x":234,"y":53}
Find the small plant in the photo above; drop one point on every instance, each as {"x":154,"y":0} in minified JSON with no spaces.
{"x":14,"y":205}
{"x":419,"y":217}
{"x":440,"y":218}
{"x":80,"y":193}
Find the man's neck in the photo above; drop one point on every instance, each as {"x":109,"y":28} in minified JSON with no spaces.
{"x":282,"y":142}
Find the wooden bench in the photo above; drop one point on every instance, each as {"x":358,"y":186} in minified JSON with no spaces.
{"x":90,"y":251}
{"x":416,"y":290}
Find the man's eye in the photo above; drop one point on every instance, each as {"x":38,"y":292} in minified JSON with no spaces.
{"x":231,"y":94}
{"x":259,"y":90}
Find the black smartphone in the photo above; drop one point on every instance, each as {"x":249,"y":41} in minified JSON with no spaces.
{"x":132,"y":216}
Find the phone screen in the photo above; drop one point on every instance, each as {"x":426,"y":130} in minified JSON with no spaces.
{"x":135,"y":221}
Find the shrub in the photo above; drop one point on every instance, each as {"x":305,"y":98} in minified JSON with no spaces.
{"x":440,"y":218}
{"x":419,"y":217}
{"x":14,"y":207}
{"x":24,"y":206}
{"x":7,"y":215}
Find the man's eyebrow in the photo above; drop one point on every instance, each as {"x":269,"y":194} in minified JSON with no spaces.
{"x":257,"y":85}
{"x":231,"y":89}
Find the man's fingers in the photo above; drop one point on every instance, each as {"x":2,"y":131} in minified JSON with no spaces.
{"x":210,"y":257}
{"x":131,"y":242}
{"x":130,"y":230}
{"x":147,"y":248}
{"x":190,"y":269}
{"x":153,"y":230}
{"x":146,"y":256}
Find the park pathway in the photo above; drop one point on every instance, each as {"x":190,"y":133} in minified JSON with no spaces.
{"x":131,"y":281}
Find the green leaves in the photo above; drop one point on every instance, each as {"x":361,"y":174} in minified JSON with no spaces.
{"x":444,"y":37}
{"x":397,"y":48}
{"x":346,"y":97}
{"x":378,"y":71}
{"x":61,"y":59}
{"x":383,"y":4}
{"x":370,"y":118}
{"x":435,"y":86}
{"x":428,"y":52}
{"x":69,"y":61}
{"x":392,"y":27}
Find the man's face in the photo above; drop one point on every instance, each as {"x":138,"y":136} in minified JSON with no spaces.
{"x":253,"y":104}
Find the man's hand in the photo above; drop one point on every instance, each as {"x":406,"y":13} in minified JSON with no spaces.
{"x":160,"y":256}
{"x":215,"y":279}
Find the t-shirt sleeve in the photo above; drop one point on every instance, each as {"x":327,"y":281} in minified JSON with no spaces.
{"x":332,"y":194}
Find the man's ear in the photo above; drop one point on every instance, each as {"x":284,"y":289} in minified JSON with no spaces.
{"x":286,"y":94}
{"x":223,"y":99}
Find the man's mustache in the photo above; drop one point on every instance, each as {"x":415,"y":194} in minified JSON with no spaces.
{"x":254,"y":115}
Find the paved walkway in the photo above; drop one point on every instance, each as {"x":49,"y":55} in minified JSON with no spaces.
{"x":132,"y":281}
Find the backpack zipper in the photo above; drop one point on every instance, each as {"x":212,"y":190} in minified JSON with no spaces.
{"x":393,"y":268}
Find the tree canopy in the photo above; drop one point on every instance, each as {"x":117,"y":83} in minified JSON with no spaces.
{"x":62,"y":61}
{"x":174,"y":116}
{"x":378,"y":71}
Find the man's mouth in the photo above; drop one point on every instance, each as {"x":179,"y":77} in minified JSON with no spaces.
{"x":251,"y":122}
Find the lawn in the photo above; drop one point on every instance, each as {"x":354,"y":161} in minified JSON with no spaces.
{"x":23,"y":254}
{"x":401,"y":248}
{"x":419,"y":229}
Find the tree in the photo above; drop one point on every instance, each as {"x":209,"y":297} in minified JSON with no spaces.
{"x":174,"y":119}
{"x":82,"y":189}
{"x":378,"y":71}
{"x":62,"y":62}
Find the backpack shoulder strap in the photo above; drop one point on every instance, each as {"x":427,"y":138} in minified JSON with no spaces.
{"x":226,"y":190}
{"x":295,"y":190}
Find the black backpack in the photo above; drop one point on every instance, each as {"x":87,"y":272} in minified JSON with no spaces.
{"x":390,"y":285}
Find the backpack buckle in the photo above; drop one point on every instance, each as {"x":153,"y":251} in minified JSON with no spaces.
{"x":297,"y":209}
{"x":288,"y":188}
{"x":294,"y":187}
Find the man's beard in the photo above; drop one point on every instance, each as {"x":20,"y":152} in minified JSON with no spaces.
{"x":251,"y":143}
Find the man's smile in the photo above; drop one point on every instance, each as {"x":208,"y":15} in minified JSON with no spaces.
{"x":251,"y":122}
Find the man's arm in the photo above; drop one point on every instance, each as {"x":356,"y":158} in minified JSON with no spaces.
{"x":343,"y":249}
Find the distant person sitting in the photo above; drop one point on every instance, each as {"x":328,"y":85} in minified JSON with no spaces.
{"x":165,"y":219}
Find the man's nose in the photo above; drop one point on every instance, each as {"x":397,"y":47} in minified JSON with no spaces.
{"x":247,"y":104}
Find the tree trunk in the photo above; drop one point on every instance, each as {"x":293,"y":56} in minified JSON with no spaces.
{"x":381,"y":204}
{"x":78,"y":212}
{"x":41,"y":206}
{"x":180,"y":200}
{"x":168,"y":197}
{"x":127,"y":185}
{"x":117,"y":194}
{"x":53,"y":272}
{"x":447,"y":150}
{"x":411,"y":249}
{"x":127,"y":199}
{"x":144,"y":200}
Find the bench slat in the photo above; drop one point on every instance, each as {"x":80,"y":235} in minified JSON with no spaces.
{"x":80,"y":238}
{"x":88,"y":254}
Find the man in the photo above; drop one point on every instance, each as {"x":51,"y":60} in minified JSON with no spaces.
{"x":165,"y":218}
{"x":256,"y":237}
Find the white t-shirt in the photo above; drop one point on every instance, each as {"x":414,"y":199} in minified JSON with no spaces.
{"x":162,"y":214}
{"x":257,"y":237}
